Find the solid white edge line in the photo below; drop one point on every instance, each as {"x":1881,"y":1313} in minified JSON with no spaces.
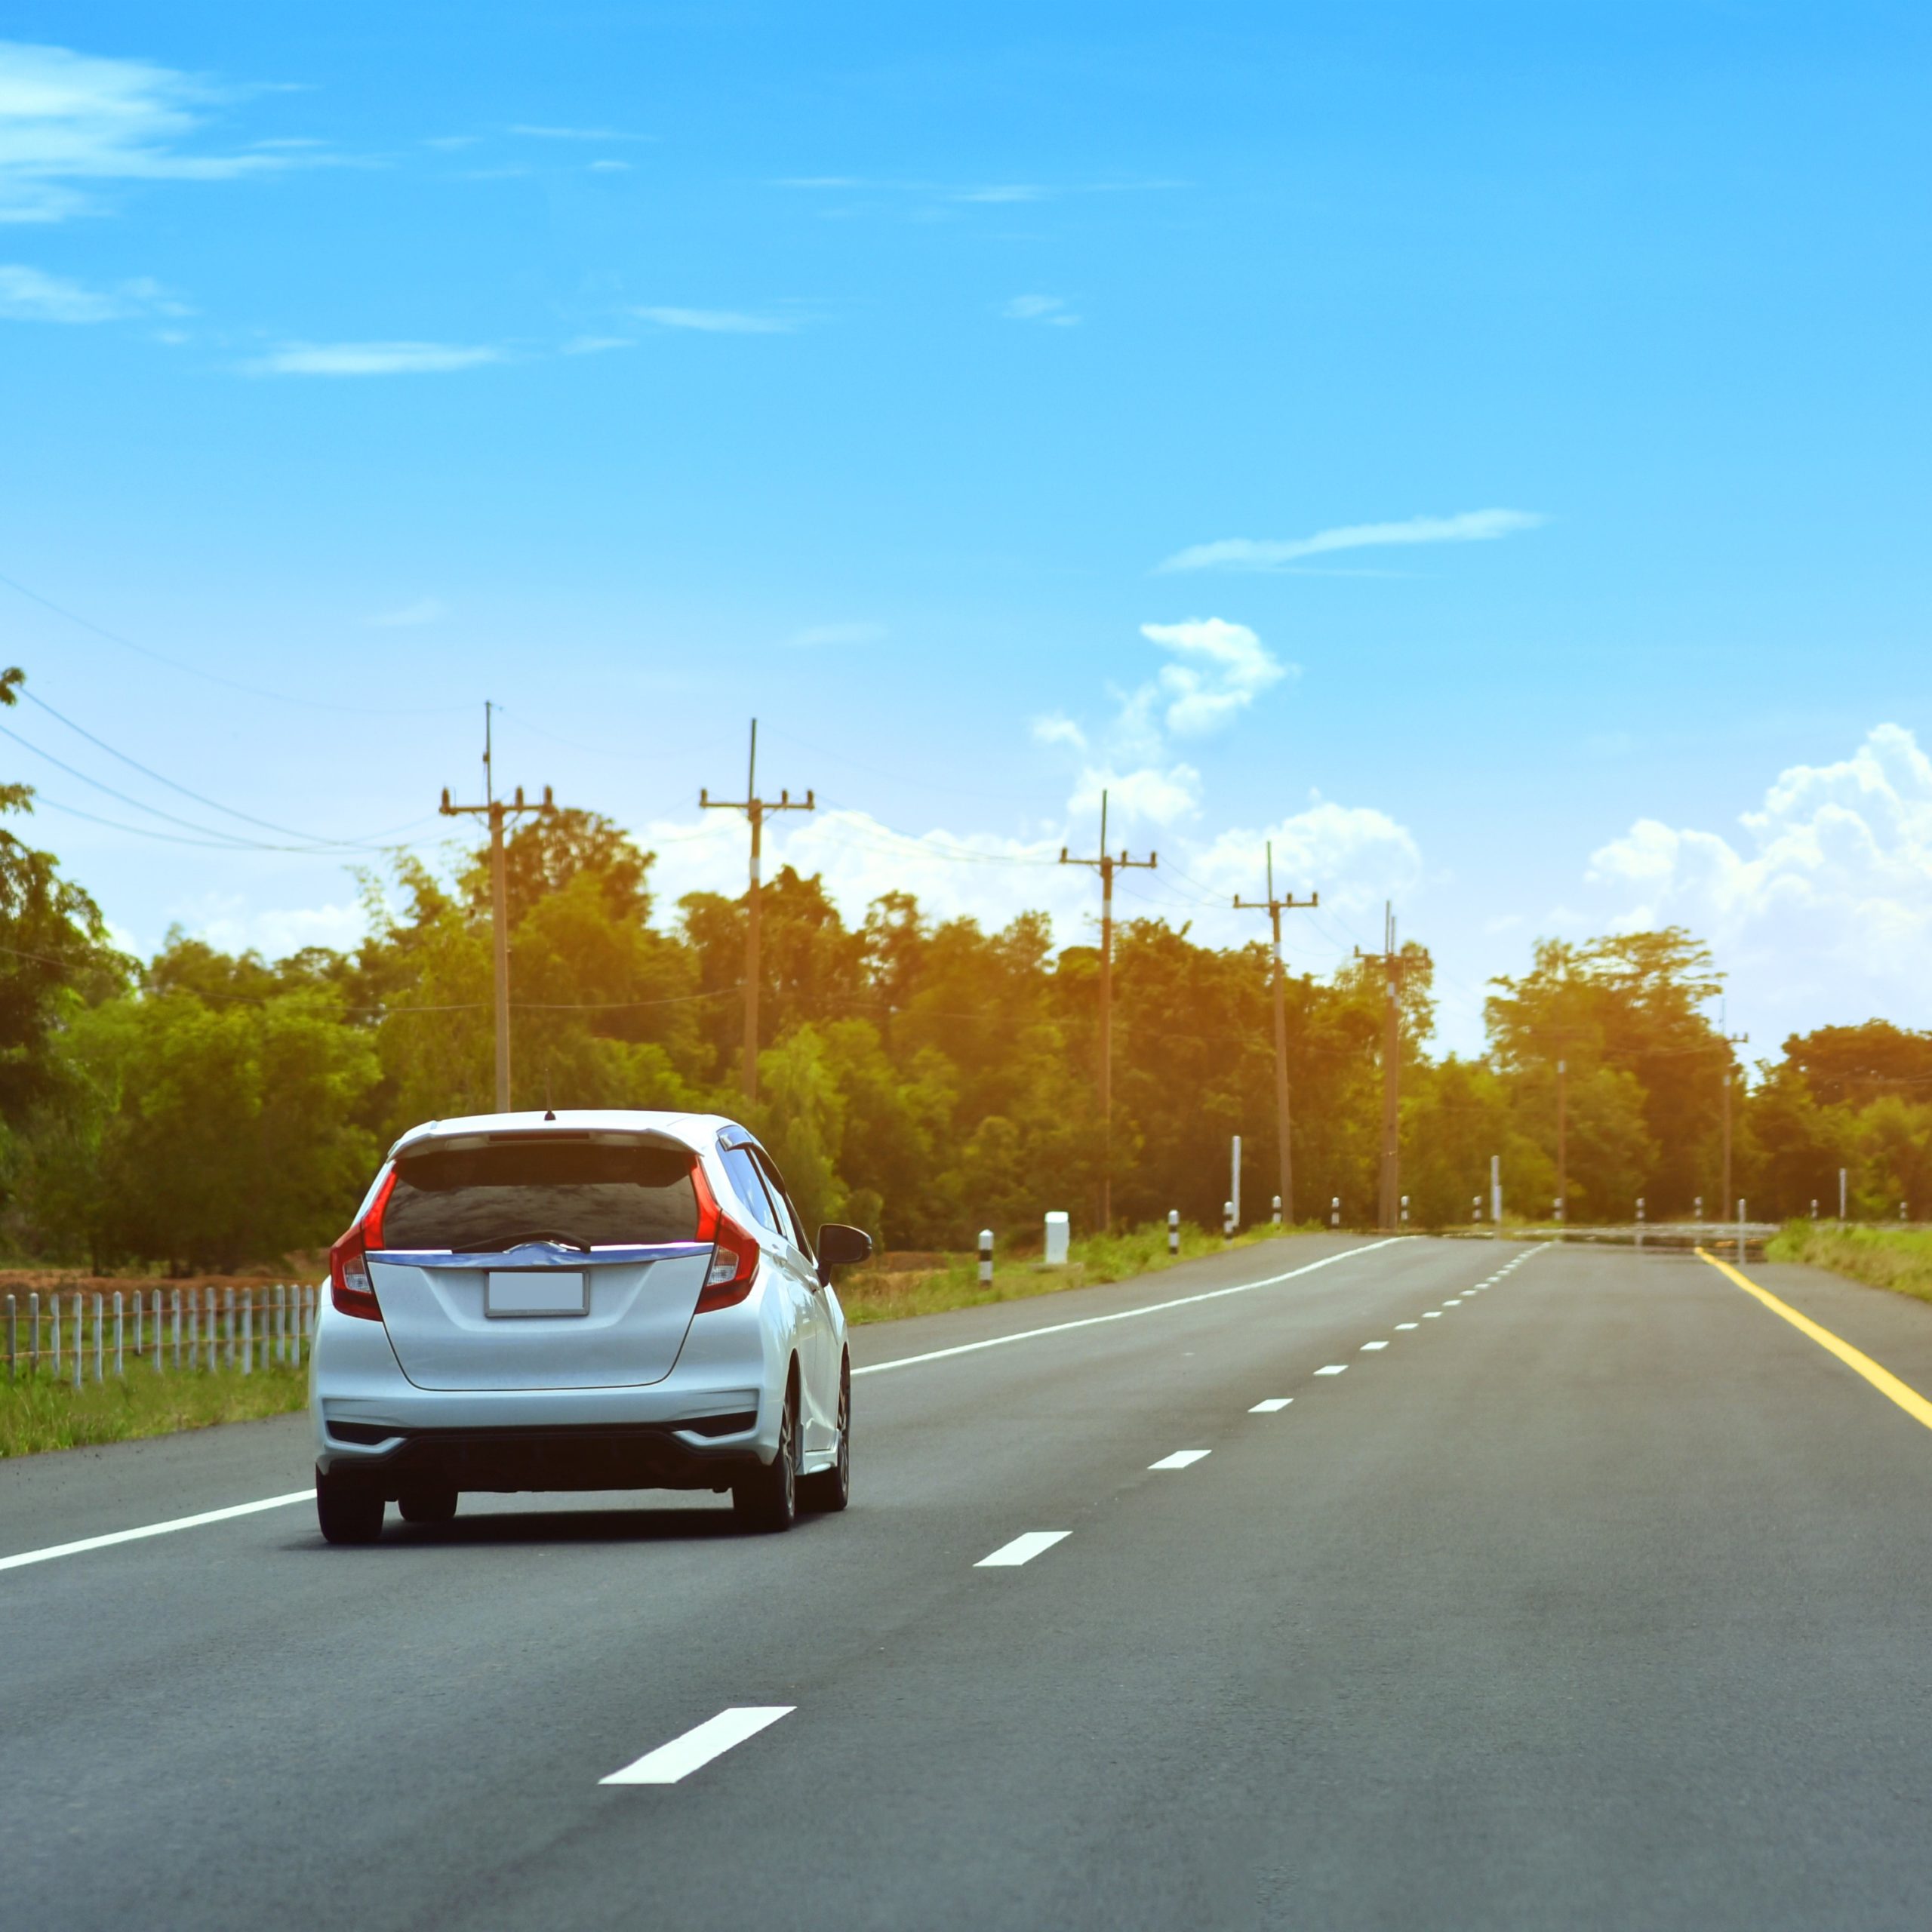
{"x":1182,"y":1458}
{"x":1023,"y":1549}
{"x":672,"y":1762}
{"x":1273,"y":1406}
{"x":47,"y":1555}
{"x":1130,"y":1314}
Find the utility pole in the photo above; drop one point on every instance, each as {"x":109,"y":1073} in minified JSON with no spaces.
{"x":497,"y":809}
{"x":1275,"y":908}
{"x":1562,"y":1146}
{"x":1107,"y":865}
{"x":754,"y":808}
{"x":1393,"y":964}
{"x":1729,"y":1040}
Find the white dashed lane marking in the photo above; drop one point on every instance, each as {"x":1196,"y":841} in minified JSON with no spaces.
{"x":1273,"y":1406}
{"x":1022,"y":1549}
{"x":670,"y":1763}
{"x":1334,"y":1368}
{"x":1182,"y":1458}
{"x":1405,"y":1325}
{"x":1431,"y":1314}
{"x":1366,"y":1346}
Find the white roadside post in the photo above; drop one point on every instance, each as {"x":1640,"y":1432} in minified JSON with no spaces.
{"x":54,"y":1339}
{"x":1841,"y":1203}
{"x":100,"y":1336}
{"x":1697,"y":1213}
{"x":1173,"y":1231}
{"x":986,"y":1257}
{"x":1056,"y":1239}
{"x":1476,"y":1210}
{"x":1278,"y":1210}
{"x":1234,"y":1191}
{"x":160,"y":1366}
{"x":1814,"y":1208}
{"x":227,"y":1327}
{"x":76,"y":1308}
{"x":120,"y":1366}
{"x":211,"y":1339}
{"x":1640,"y":1223}
{"x":1405,"y":1210}
{"x":1740,"y":1231}
{"x":1227,"y":1220}
{"x":248,"y":1333}
{"x":1335,"y":1212}
{"x":33,"y":1333}
{"x":1496,"y":1192}
{"x":140,"y":1309}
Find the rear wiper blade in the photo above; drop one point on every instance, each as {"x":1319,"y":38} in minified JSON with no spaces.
{"x":502,"y":1244}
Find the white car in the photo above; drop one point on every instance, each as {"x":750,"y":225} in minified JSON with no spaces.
{"x":578,"y":1301}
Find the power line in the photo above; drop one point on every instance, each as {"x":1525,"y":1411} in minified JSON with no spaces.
{"x":214,"y":677}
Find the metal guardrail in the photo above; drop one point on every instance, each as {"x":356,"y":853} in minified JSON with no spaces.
{"x":183,"y":1330}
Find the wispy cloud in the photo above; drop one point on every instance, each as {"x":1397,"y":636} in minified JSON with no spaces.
{"x":409,"y":616}
{"x":68,"y":120}
{"x":543,"y":134}
{"x":816,"y":634}
{"x":1219,"y":670}
{"x":31,"y":295}
{"x":1243,"y":553}
{"x":596,"y":345}
{"x":718,"y":322}
{"x":370,"y":358}
{"x":608,"y":167}
{"x":1003,"y":192}
{"x":1050,"y":309}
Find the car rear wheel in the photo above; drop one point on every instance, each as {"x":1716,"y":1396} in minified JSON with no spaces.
{"x":769,"y":1499}
{"x":348,"y":1511}
{"x":831,"y":1489}
{"x":429,"y":1503}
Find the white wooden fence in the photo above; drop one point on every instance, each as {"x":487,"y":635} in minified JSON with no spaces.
{"x":61,"y":1336}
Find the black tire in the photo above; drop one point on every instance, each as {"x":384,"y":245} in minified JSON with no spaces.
{"x":768,"y":1500}
{"x":831,"y":1489}
{"x":348,"y":1511}
{"x":429,"y":1503}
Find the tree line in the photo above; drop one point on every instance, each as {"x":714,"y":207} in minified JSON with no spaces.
{"x":922,"y":1077}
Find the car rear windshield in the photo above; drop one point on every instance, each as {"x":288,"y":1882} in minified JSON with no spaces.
{"x":586,"y":1194}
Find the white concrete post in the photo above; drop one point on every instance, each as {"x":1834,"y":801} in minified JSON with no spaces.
{"x":211,"y":1324}
{"x":1174,"y":1230}
{"x":1640,"y":1222}
{"x":1335,"y":1212}
{"x":1234,"y":1190}
{"x":140,"y":1309}
{"x":1814,"y":1209}
{"x":248,"y":1332}
{"x":33,"y":1333}
{"x":228,"y":1326}
{"x":1278,"y":1210}
{"x":160,"y":1363}
{"x":76,"y":1308}
{"x":1740,"y":1231}
{"x":1841,"y":1202}
{"x":120,"y":1365}
{"x":1476,"y":1210}
{"x":1496,"y":1191}
{"x":194,"y":1327}
{"x":1227,"y":1220}
{"x":1405,"y":1210}
{"x":100,"y":1336}
{"x":1057,"y":1236}
{"x":986,"y":1257}
{"x":54,"y":1336}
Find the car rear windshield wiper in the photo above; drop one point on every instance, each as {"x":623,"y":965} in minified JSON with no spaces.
{"x":531,"y":1237}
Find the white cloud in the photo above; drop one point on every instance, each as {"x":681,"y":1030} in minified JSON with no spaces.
{"x":1222,"y":669}
{"x":1056,"y":728}
{"x":67,"y":119}
{"x":717,"y":321}
{"x":596,"y":345}
{"x":1824,"y":908}
{"x":225,"y":920}
{"x":576,"y":133}
{"x":607,"y":167}
{"x":31,"y":295}
{"x":1146,"y":795}
{"x":1242,"y":553}
{"x":1050,"y":309}
{"x":815,"y":635}
{"x":370,"y":358}
{"x":1354,"y":856}
{"x":408,"y":616}
{"x":1008,"y":192}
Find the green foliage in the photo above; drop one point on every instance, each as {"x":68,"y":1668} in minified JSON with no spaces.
{"x":1897,"y":1258}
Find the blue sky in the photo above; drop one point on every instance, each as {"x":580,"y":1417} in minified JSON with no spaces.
{"x":1482,"y":449}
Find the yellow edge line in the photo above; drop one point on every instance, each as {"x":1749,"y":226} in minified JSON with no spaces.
{"x":1883,"y":1380}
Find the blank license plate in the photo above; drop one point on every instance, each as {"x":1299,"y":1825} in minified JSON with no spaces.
{"x":533,"y":1291}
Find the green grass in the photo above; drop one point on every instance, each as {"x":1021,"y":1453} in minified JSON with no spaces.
{"x":38,"y":1412}
{"x":873,"y":1294}
{"x":1900,"y":1259}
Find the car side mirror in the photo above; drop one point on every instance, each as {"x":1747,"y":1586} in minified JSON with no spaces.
{"x":840,"y":1247}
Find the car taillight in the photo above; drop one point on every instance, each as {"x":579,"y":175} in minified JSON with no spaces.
{"x":734,"y":1251}
{"x":350,"y":1289}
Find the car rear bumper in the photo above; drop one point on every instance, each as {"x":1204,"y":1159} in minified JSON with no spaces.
{"x":593,"y":1455}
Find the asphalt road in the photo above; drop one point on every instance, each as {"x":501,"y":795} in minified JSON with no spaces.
{"x":1598,"y":1598}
